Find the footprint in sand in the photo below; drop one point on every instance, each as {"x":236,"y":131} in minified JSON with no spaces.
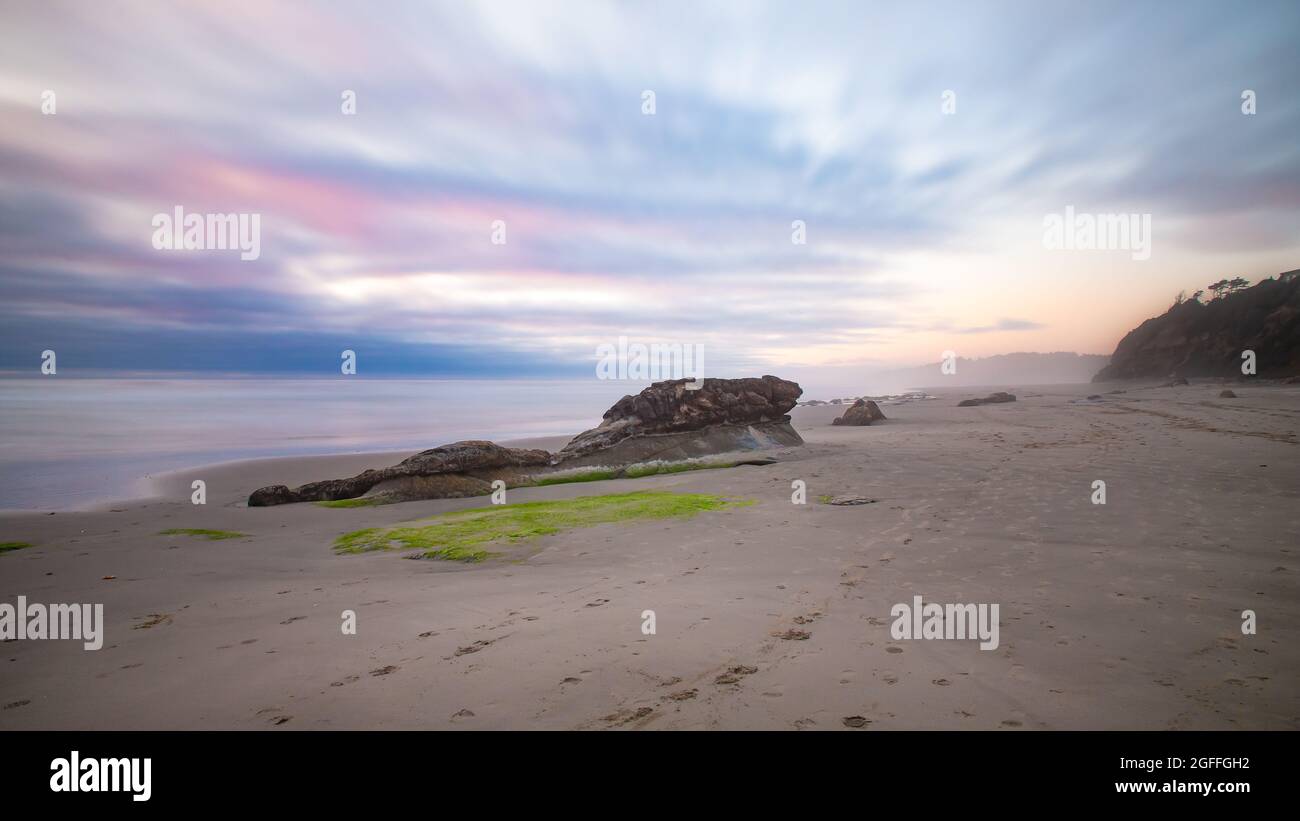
{"x":626,"y":717}
{"x":293,"y":619}
{"x":733,"y":675}
{"x":856,"y":721}
{"x":793,"y":635}
{"x":598,"y":602}
{"x":346,"y":680}
{"x":385,"y":670}
{"x":475,"y":647}
{"x":153,"y":620}
{"x":682,"y":695}
{"x":893,"y":649}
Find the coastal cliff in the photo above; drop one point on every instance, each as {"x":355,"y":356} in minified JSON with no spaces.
{"x":1207,"y":339}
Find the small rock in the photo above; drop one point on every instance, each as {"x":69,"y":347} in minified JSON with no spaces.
{"x":862,"y":412}
{"x":991,"y":399}
{"x":850,"y":499}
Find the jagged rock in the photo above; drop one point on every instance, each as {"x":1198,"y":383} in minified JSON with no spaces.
{"x":1195,"y":339}
{"x":463,"y":458}
{"x":271,"y":495}
{"x":861,"y":412}
{"x":991,"y":399}
{"x":1227,"y":394}
{"x":667,"y":421}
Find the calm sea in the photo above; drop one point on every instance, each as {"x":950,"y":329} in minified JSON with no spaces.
{"x":69,"y":442}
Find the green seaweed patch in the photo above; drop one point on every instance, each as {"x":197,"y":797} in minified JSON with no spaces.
{"x":598,"y":475}
{"x":825,"y":498}
{"x":461,"y":535}
{"x":654,"y":469}
{"x":210,"y":535}
{"x":6,"y":547}
{"x":360,"y":501}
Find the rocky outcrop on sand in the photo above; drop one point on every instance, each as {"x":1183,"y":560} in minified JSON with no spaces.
{"x":460,"y":469}
{"x":666,"y":422}
{"x":991,"y":399}
{"x":1205,"y":339}
{"x":861,"y":412}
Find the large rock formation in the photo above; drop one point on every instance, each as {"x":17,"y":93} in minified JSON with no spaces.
{"x":862,"y":412}
{"x":1195,"y":339}
{"x":667,"y":421}
{"x":460,"y":469}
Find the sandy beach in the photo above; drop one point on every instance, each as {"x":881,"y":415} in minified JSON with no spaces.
{"x":1124,"y":615}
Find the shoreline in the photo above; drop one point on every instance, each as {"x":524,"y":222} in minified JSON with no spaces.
{"x":315,"y":466}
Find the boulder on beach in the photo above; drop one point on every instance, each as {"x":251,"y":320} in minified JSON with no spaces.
{"x":1227,"y":394}
{"x":666,"y":422}
{"x":459,"y":469}
{"x":991,"y":399}
{"x":861,"y":412}
{"x":669,"y":421}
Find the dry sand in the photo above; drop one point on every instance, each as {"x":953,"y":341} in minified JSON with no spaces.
{"x":1126,"y":615}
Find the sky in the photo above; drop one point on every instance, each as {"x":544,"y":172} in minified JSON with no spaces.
{"x":921,"y":146}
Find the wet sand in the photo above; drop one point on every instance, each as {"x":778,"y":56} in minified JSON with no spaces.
{"x":1123,"y":615}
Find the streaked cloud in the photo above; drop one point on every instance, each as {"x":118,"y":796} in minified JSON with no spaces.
{"x":376,"y":227}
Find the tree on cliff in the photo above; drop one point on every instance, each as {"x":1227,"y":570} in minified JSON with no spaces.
{"x":1224,"y":287}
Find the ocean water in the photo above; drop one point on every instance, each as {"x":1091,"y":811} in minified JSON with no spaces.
{"x":72,"y":442}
